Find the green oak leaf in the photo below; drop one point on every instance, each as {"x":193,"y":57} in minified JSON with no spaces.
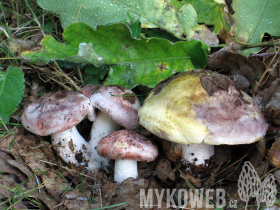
{"x":11,"y":91}
{"x":181,"y":22}
{"x":151,"y":72}
{"x":93,"y":74}
{"x":254,"y":19}
{"x":208,"y":11}
{"x":133,"y":62}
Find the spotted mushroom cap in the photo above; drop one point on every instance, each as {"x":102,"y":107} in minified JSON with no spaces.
{"x":55,"y":112}
{"x":127,"y":144}
{"x":202,"y":107}
{"x":119,"y":103}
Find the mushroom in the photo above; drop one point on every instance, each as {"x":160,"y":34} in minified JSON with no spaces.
{"x":126,"y":147}
{"x":57,"y":114}
{"x":118,"y":107}
{"x":199,"y":109}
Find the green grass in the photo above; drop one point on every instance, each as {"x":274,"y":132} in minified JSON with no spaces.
{"x":23,"y":19}
{"x":17,"y":194}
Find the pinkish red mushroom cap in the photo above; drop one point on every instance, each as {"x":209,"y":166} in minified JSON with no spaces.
{"x":119,"y":103}
{"x":127,"y":144}
{"x":88,"y":90}
{"x":55,"y":112}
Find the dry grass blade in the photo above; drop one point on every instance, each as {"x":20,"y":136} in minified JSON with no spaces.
{"x":68,"y":169}
{"x":232,"y":165}
{"x":66,"y":76}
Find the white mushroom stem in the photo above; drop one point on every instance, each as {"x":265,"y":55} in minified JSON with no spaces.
{"x":91,"y":113}
{"x":101,"y":127}
{"x":73,"y":148}
{"x":125,"y":169}
{"x":196,"y":154}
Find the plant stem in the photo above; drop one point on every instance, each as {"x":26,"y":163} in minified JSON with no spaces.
{"x":263,"y":44}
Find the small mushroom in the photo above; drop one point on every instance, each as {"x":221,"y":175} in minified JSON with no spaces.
{"x":57,"y":114}
{"x":199,"y":109}
{"x":126,"y":147}
{"x":118,"y":106}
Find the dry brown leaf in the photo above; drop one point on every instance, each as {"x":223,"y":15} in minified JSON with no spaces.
{"x":18,"y":140}
{"x":29,"y":149}
{"x":173,"y":153}
{"x":111,"y":193}
{"x":274,"y":153}
{"x":189,"y":177}
{"x":19,"y":45}
{"x":54,"y":184}
{"x":164,"y":171}
{"x":12,"y":182}
{"x":264,"y":98}
{"x":129,"y":192}
{"x":233,"y":61}
{"x":225,"y":35}
{"x":20,"y":164}
{"x":75,"y":199}
{"x":229,"y":40}
{"x":47,"y":200}
{"x":35,"y":89}
{"x":145,"y":169}
{"x":206,"y":36}
{"x":262,"y":168}
{"x":222,"y":154}
{"x":272,"y":115}
{"x":5,"y":167}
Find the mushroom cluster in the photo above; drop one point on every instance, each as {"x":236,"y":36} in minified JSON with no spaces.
{"x":117,"y":106}
{"x":57,"y":114}
{"x":194,"y":110}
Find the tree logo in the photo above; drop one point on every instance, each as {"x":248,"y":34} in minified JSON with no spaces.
{"x":249,"y":185}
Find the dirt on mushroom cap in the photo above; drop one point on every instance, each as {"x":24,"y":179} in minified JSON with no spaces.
{"x":55,"y":112}
{"x":127,"y":144}
{"x":119,"y":103}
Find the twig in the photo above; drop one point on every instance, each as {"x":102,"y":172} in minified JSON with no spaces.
{"x":44,"y":70}
{"x":101,"y":203}
{"x":232,"y":164}
{"x":80,"y":74}
{"x":10,"y":58}
{"x":66,"y":168}
{"x":64,"y":86}
{"x":6,"y":189}
{"x":263,"y":44}
{"x":263,"y":55}
{"x":65,"y":75}
{"x":5,"y":32}
{"x":267,"y":69}
{"x":57,"y":206}
{"x":4,"y":124}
